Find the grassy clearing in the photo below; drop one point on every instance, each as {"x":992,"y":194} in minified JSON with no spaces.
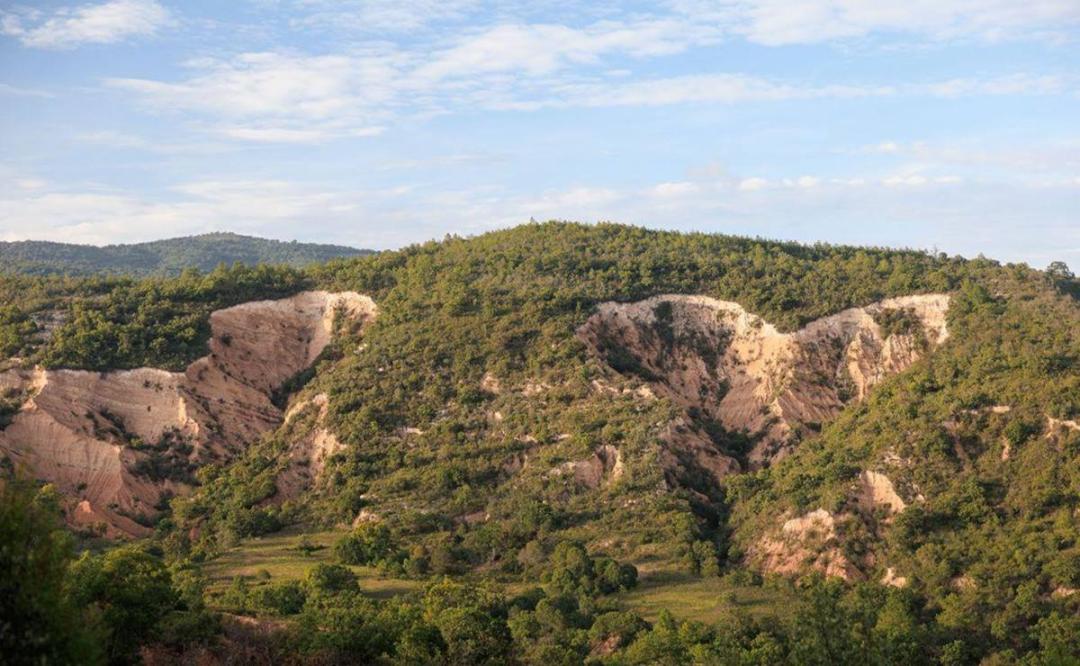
{"x":702,"y":599}
{"x":687,"y":597}
{"x":280,"y":555}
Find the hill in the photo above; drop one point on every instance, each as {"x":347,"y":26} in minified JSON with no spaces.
{"x":163,"y":257}
{"x":567,"y":443}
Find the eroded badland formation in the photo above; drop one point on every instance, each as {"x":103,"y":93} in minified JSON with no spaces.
{"x":118,"y":444}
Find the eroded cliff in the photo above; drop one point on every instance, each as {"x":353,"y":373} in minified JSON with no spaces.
{"x":117,"y":444}
{"x":763,"y":388}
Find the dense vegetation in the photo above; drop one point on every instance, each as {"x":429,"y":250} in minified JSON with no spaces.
{"x":470,"y":392}
{"x":163,"y":257}
{"x":112,"y":323}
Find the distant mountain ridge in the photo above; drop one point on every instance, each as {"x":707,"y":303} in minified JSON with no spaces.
{"x":163,"y":257}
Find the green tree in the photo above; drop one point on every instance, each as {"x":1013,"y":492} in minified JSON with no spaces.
{"x":331,"y":578}
{"x":368,"y":543}
{"x":40,"y":623}
{"x":133,"y":591}
{"x":471,"y":621}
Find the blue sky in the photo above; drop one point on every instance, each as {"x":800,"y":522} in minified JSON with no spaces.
{"x":939,"y":124}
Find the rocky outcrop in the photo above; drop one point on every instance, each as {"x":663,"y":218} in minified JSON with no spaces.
{"x":604,"y":466}
{"x":690,"y":458}
{"x":1054,"y":425}
{"x":814,"y":541}
{"x":877,"y":493}
{"x":749,"y":393}
{"x":724,"y":364}
{"x":892,"y":579}
{"x":809,"y":541}
{"x":308,"y":452}
{"x":117,"y":443}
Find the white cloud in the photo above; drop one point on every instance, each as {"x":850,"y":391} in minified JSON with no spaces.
{"x":513,"y":65}
{"x":705,"y":88}
{"x":16,"y":91}
{"x":277,"y":97}
{"x":69,"y":27}
{"x":769,"y":22}
{"x":537,"y":49}
{"x":913,"y":180}
{"x":752,"y":184}
{"x":30,"y":183}
{"x":111,"y":139}
{"x":666,"y":190}
{"x":378,"y":16}
{"x":298,"y":98}
{"x":727,"y":88}
{"x":1014,"y":84}
{"x":782,"y":22}
{"x":269,"y":207}
{"x":887,"y":147}
{"x":1014,"y":162}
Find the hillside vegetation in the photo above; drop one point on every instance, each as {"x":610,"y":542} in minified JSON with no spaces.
{"x":164,"y":257}
{"x":482,"y":484}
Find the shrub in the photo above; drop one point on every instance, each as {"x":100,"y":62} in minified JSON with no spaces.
{"x":368,"y":544}
{"x":332,"y":578}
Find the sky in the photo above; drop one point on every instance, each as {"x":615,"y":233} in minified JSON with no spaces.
{"x":944,"y":125}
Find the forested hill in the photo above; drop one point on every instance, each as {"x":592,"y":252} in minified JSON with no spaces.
{"x":163,"y":257}
{"x":552,"y":444}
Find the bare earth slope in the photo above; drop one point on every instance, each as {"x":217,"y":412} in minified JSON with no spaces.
{"x":115,"y":443}
{"x":730,"y":367}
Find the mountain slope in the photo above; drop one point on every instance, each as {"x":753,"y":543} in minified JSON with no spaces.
{"x":163,"y":257}
{"x":692,"y":404}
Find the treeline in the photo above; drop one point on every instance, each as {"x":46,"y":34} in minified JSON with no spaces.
{"x":163,"y":258}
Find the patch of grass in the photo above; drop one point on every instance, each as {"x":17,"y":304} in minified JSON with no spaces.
{"x":703,"y":599}
{"x":282,"y":557}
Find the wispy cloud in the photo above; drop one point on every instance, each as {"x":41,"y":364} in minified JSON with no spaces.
{"x":735,"y":88}
{"x":768,"y":22}
{"x":783,"y":22}
{"x":273,"y":208}
{"x":281,"y":97}
{"x":16,"y":91}
{"x":69,"y":27}
{"x":299,"y":98}
{"x":537,"y":49}
{"x":379,"y":16}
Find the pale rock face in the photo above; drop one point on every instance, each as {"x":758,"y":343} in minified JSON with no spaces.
{"x":892,"y":579}
{"x":963,"y":582}
{"x":82,"y":431}
{"x":1052,"y":425}
{"x":812,"y":540}
{"x":736,"y":368}
{"x":307,"y":454}
{"x":604,"y":466}
{"x":366,"y":516}
{"x":491,"y":383}
{"x":877,"y":491}
{"x":716,"y":360}
{"x":806,"y":541}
